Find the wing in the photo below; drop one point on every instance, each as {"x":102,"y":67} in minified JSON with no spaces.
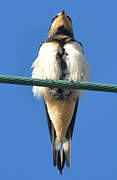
{"x":46,"y":65}
{"x":52,"y":134}
{"x":77,"y":63}
{"x":71,"y":126}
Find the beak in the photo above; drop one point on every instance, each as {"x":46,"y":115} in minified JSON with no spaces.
{"x":63,"y":12}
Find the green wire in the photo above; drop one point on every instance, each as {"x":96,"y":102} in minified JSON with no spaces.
{"x":58,"y":84}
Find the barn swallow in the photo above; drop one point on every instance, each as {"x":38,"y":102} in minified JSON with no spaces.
{"x":60,"y":57}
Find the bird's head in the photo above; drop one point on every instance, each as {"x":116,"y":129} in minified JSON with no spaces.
{"x":61,"y":25}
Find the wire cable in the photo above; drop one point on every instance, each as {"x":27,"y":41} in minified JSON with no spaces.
{"x":58,"y":83}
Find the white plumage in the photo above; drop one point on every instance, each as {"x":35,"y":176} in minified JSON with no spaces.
{"x":47,"y":66}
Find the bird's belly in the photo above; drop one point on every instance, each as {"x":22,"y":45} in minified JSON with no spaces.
{"x":60,"y":112}
{"x":59,"y":93}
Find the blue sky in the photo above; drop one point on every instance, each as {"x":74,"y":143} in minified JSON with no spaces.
{"x":25,"y":149}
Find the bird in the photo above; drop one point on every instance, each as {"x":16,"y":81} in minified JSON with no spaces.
{"x":60,"y":57}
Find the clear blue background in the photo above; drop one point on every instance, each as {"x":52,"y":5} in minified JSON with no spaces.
{"x":25,"y":148}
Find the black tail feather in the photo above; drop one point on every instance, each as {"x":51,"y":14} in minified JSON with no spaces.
{"x":63,"y":158}
{"x":59,"y":156}
{"x":59,"y":162}
{"x":58,"y":159}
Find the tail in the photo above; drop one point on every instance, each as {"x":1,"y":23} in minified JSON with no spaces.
{"x":61,"y":151}
{"x":61,"y":154}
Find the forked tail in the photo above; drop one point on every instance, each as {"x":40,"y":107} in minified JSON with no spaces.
{"x":61,"y":154}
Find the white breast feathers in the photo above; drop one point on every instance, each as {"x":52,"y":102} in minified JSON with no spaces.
{"x":48,"y":64}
